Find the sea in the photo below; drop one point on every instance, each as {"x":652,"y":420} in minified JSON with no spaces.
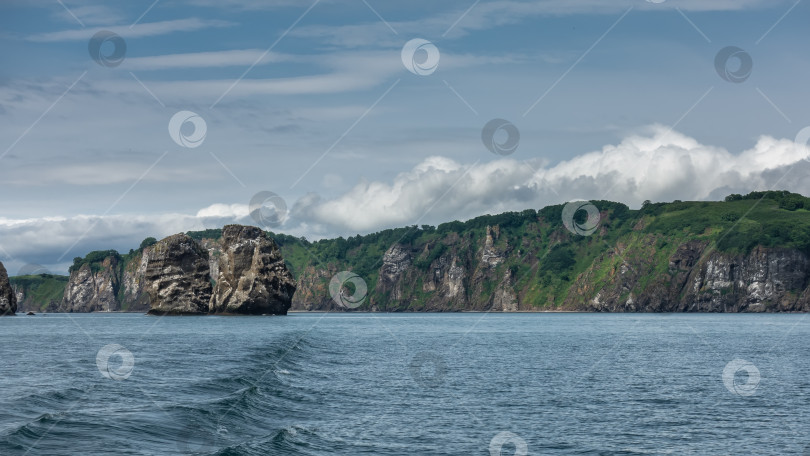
{"x":405,"y":384}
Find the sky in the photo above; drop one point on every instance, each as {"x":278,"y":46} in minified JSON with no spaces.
{"x":121,"y":120}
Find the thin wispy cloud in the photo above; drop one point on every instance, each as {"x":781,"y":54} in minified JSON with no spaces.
{"x":141,"y":30}
{"x":307,"y":118}
{"x":236,"y":57}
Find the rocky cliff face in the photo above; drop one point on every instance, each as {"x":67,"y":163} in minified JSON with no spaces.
{"x":647,"y":275}
{"x":108,"y":286}
{"x":674,"y":257}
{"x":176,"y":276}
{"x":253,"y":278}
{"x":453,"y":273}
{"x":696,"y":278}
{"x":313,"y":289}
{"x":92,"y":290}
{"x":8,"y":299}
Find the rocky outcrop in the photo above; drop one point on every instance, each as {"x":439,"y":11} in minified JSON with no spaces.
{"x":697,"y":279}
{"x":133,"y":297}
{"x":253,"y":279}
{"x":173,"y":277}
{"x":8,"y":299}
{"x":176,"y":277}
{"x":106,"y":286}
{"x":313,"y":289}
{"x":93,"y":288}
{"x":765,"y":280}
{"x":395,"y":262}
{"x":453,"y":273}
{"x":678,"y":257}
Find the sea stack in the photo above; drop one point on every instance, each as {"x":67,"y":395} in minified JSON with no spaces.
{"x":176,"y":277}
{"x":8,"y":299}
{"x":253,"y":278}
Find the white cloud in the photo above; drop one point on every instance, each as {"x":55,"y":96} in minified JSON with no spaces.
{"x":659,"y":165}
{"x":236,"y":57}
{"x":140,"y":30}
{"x":459,"y":20}
{"x":89,"y":14}
{"x":249,"y":4}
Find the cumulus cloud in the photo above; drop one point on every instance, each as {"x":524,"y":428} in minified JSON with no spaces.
{"x":661,"y":165}
{"x":658,"y":164}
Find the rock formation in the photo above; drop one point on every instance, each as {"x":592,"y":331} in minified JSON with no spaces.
{"x":176,"y":277}
{"x":104,"y":287}
{"x":697,"y":278}
{"x":92,"y":291}
{"x":8,"y":299}
{"x":253,"y":278}
{"x":664,"y":257}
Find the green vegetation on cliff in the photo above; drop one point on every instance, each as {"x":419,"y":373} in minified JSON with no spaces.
{"x":528,"y":255}
{"x":544,"y":260}
{"x":39,"y":291}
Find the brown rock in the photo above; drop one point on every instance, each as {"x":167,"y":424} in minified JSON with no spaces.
{"x":253,"y":278}
{"x":8,"y":299}
{"x":176,"y":277}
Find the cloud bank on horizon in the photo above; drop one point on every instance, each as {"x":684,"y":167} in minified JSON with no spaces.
{"x":318,"y":103}
{"x":663,"y":165}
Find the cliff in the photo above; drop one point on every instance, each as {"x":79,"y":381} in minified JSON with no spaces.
{"x":177,"y":276}
{"x":746,"y":254}
{"x":666,"y":257}
{"x":8,"y":299}
{"x":103,"y":282}
{"x":252,"y":277}
{"x":39,"y":293}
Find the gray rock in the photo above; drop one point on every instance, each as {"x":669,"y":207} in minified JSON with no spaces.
{"x":176,"y":277}
{"x":92,"y":291}
{"x":253,"y":278}
{"x":8,"y":299}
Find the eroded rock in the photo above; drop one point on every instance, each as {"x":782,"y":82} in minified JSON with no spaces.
{"x":176,"y":277}
{"x":253,"y":278}
{"x":8,"y":299}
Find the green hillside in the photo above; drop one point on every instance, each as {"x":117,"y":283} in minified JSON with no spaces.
{"x":772,"y":219}
{"x":546,"y":265}
{"x":39,"y":290}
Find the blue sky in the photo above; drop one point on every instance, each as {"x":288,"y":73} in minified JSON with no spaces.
{"x":617,"y":100}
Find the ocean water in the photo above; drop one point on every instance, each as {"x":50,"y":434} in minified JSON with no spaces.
{"x":405,"y":384}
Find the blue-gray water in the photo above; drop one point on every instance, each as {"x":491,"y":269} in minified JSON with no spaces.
{"x":322,"y":384}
